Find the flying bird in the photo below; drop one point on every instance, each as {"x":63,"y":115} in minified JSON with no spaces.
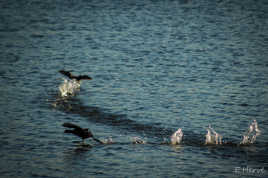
{"x":71,"y":76}
{"x":80,"y":132}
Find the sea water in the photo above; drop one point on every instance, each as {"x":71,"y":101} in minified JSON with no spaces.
{"x":157,"y":66}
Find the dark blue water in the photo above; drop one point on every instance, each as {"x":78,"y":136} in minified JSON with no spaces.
{"x":156,"y":66}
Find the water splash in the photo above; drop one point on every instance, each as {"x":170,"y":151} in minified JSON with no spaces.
{"x":137,"y":140}
{"x":251,"y":134}
{"x":212,"y":137}
{"x":69,"y":87}
{"x":176,"y":137}
{"x":108,"y":141}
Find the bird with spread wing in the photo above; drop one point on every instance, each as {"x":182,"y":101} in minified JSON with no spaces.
{"x":71,"y":76}
{"x":80,"y":132}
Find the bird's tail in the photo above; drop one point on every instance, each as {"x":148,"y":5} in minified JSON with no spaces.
{"x":68,"y":131}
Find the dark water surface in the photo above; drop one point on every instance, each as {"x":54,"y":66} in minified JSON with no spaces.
{"x":156,"y":65}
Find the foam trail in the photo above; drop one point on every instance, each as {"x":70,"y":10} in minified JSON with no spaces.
{"x":176,"y":137}
{"x":212,"y":137}
{"x":251,"y":134}
{"x":69,"y":87}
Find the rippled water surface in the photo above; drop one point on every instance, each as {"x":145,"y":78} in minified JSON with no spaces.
{"x":156,"y":65}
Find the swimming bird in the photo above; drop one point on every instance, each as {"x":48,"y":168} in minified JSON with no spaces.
{"x":77,"y":78}
{"x":80,"y":132}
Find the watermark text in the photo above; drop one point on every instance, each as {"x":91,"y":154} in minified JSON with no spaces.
{"x":249,"y":171}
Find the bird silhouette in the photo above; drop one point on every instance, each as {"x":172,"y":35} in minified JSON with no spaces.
{"x":80,"y":132}
{"x":78,"y":78}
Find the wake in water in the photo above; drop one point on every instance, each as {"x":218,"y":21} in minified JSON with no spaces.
{"x":74,"y":106}
{"x":249,"y":137}
{"x":212,"y":137}
{"x":175,"y":139}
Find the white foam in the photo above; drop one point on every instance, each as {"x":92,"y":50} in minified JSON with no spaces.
{"x":69,"y":87}
{"x":176,"y":137}
{"x":108,"y":141}
{"x":137,"y":140}
{"x":251,"y":134}
{"x":212,"y":137}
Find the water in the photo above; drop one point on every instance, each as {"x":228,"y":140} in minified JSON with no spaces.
{"x":157,"y":66}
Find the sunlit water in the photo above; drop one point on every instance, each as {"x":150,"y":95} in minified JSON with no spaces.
{"x":157,"y":66}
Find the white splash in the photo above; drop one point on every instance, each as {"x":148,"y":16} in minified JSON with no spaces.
{"x":176,"y":137}
{"x":251,"y":134}
{"x":69,"y":87}
{"x":212,"y":137}
{"x":137,"y":140}
{"x":108,"y":141}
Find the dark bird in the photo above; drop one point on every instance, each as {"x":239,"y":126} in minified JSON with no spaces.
{"x":80,"y":132}
{"x":78,"y":78}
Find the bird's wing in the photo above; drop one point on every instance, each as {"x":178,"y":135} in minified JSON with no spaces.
{"x":70,"y":125}
{"x":88,"y":131}
{"x":83,"y":77}
{"x":66,"y":73}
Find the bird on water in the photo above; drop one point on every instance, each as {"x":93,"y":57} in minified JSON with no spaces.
{"x":80,"y":132}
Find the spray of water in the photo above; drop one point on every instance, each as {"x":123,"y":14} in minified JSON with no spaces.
{"x":108,"y":141}
{"x":137,"y":140}
{"x":212,"y":137}
{"x":69,"y":87}
{"x":176,"y":137}
{"x":251,"y":134}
